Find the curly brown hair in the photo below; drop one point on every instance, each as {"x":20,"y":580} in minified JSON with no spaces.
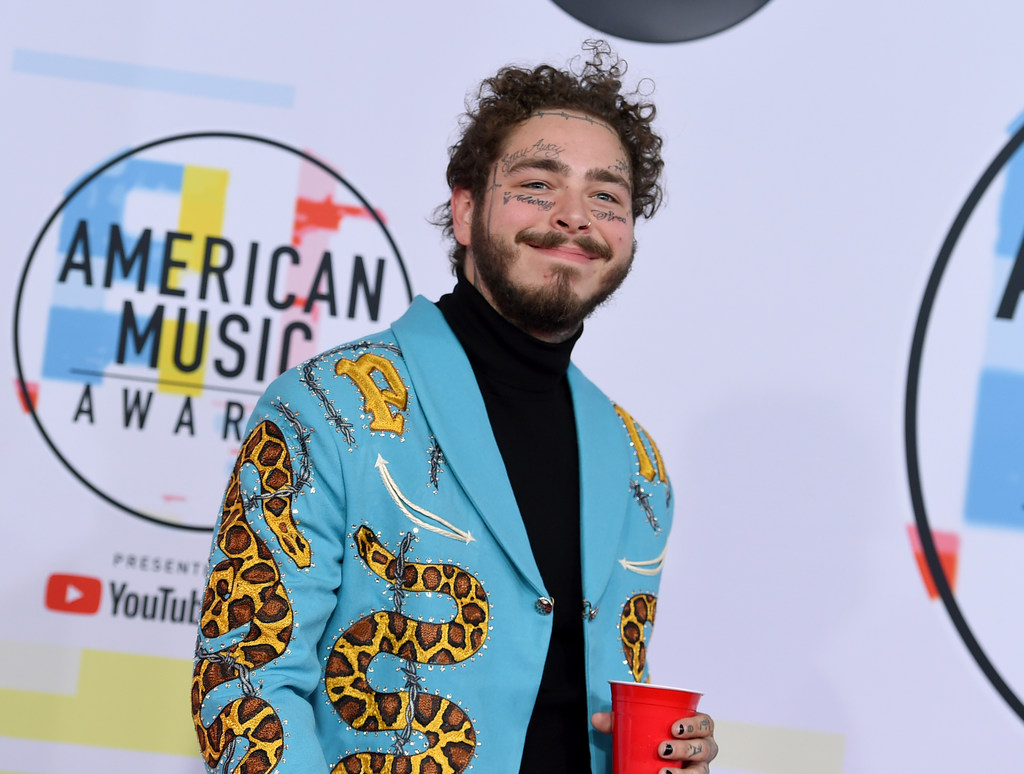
{"x":514,"y":94}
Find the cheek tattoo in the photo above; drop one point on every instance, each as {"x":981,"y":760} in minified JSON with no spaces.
{"x":607,"y":215}
{"x":543,"y":204}
{"x":495,"y":185}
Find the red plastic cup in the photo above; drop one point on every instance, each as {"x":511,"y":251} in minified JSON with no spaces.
{"x":642,"y":719}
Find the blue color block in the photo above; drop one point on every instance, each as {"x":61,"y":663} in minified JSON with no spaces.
{"x":162,"y":79}
{"x":102,"y":202}
{"x":995,"y":485}
{"x":65,"y":359}
{"x":1011,"y":205}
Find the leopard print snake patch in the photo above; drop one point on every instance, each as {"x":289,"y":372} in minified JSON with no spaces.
{"x":451,"y":739}
{"x":638,"y":611}
{"x":245,"y":590}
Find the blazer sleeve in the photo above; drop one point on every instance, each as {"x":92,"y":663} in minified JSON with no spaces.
{"x":275,"y":572}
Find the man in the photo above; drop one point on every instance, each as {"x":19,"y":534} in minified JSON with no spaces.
{"x":442,"y":541}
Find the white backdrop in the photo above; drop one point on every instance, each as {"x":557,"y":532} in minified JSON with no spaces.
{"x":817,"y":158}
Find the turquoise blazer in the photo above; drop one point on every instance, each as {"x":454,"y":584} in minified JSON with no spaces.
{"x":373,"y":603}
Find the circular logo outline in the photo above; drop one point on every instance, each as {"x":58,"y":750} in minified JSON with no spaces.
{"x":23,"y":386}
{"x":910,"y":425}
{"x":664,"y":21}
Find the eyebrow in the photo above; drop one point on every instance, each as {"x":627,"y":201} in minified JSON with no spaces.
{"x":607,"y":176}
{"x":553,"y":165}
{"x":547,"y":165}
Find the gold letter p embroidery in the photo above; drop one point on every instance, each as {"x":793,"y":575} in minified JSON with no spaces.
{"x":376,"y":400}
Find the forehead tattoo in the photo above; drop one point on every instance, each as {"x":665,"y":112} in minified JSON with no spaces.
{"x":609,"y":175}
{"x":574,"y":117}
{"x":539,"y":150}
{"x":621,"y":165}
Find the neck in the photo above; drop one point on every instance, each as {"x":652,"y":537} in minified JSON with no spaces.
{"x":500,"y":349}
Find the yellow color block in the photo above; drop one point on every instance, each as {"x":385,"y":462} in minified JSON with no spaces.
{"x":203,"y":201}
{"x":172,"y":379}
{"x":124,"y":701}
{"x":778,"y":750}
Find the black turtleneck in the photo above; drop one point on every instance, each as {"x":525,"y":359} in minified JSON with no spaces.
{"x":526,"y":391}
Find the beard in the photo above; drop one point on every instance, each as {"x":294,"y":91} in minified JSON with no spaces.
{"x":553,"y":309}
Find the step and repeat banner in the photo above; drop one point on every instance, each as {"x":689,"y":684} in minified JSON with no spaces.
{"x":824,"y":330}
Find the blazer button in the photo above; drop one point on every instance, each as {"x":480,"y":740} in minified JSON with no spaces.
{"x":544,"y":605}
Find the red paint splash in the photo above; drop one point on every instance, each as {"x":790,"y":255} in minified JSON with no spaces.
{"x":947,"y":545}
{"x":322,"y":215}
{"x":33,"y":395}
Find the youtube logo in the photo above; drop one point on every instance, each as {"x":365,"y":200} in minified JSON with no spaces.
{"x":73,"y":593}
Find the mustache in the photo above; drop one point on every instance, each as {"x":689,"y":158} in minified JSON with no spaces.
{"x":555,"y":239}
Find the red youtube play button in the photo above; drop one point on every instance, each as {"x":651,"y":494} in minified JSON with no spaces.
{"x":73,"y":593}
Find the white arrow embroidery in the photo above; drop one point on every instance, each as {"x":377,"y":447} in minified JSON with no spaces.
{"x":648,"y":567}
{"x":402,"y":501}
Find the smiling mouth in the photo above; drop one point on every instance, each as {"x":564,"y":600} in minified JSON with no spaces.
{"x":580,"y":250}
{"x":566,"y":252}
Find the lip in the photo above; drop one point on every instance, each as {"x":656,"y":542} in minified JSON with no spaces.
{"x":567,"y":253}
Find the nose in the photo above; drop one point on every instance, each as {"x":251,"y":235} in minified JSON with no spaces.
{"x":570,"y":215}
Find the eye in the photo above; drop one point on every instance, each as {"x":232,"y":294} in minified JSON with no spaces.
{"x":607,"y":197}
{"x":535,"y":184}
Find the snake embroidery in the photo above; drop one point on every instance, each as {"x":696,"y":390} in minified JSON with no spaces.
{"x":451,"y":740}
{"x":245,"y":589}
{"x":638,"y":610}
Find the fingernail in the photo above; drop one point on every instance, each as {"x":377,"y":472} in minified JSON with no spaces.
{"x":666,"y":751}
{"x":682,"y":730}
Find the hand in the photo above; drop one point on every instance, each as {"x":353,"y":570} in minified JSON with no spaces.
{"x":692,"y":744}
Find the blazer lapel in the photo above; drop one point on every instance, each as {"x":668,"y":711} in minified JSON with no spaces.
{"x":603,"y":506}
{"x":450,"y":398}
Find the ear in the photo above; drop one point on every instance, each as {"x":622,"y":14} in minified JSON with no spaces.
{"x":462,"y":215}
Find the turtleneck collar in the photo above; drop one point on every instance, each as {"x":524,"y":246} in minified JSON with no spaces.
{"x":499,"y":351}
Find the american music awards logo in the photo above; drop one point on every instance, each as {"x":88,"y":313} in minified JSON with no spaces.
{"x":965,"y":421}
{"x":167,"y":290}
